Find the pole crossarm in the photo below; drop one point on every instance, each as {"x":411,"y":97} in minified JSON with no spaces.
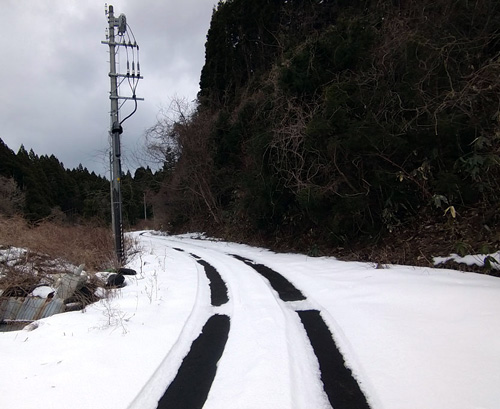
{"x":127,"y":98}
{"x":122,"y":44}
{"x":126,"y":76}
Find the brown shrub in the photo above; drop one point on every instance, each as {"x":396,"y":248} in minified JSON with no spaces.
{"x":78,"y":244}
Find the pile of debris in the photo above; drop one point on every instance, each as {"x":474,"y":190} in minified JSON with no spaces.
{"x":32,"y":287}
{"x":71,"y":292}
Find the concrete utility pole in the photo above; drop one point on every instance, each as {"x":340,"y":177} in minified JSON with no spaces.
{"x":133,"y":76}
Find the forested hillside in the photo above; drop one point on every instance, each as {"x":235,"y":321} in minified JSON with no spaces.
{"x":330,"y":123}
{"x":40,"y":187}
{"x":367,"y":127}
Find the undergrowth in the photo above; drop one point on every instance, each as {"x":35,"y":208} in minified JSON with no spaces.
{"x":76,"y":244}
{"x":34,"y":254}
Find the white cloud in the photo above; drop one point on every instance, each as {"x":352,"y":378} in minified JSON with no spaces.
{"x":54,"y":71}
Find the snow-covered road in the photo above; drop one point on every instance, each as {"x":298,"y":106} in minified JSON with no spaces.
{"x":413,"y":338}
{"x":276,"y":362}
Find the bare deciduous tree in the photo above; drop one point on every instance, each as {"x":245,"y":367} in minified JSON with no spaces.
{"x":181,"y":141}
{"x":162,"y":139}
{"x":11,"y":197}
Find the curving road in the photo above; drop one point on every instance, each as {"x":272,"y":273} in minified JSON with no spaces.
{"x":258,"y":318}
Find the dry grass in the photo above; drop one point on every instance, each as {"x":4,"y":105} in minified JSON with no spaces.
{"x":76,"y":244}
{"x":34,"y":256}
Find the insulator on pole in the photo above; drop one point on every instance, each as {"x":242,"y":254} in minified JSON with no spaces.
{"x":116,"y":125}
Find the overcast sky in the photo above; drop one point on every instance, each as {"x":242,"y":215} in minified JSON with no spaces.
{"x":54,"y":72}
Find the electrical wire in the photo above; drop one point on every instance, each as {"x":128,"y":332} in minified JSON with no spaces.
{"x":134,"y":76}
{"x":132,"y":113}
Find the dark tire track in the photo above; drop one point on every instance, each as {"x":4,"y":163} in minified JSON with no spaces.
{"x":285,"y":289}
{"x":341,"y":388}
{"x":190,"y":387}
{"x":192,"y":384}
{"x":218,"y":288}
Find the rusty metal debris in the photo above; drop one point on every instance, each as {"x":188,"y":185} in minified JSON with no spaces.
{"x":29,"y":308}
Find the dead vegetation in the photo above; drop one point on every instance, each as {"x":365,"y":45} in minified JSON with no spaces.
{"x":76,"y":244}
{"x":37,"y":255}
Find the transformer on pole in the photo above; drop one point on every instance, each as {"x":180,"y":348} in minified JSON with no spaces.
{"x":115,"y":38}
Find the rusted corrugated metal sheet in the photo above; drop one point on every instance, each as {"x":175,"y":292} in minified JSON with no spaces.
{"x":33,"y":308}
{"x":29,"y":308}
{"x":9,"y":307}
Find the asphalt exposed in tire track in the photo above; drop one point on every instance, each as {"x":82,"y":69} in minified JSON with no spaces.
{"x":190,"y":388}
{"x":218,"y":289}
{"x":285,"y":289}
{"x":339,"y":385}
{"x":191,"y":385}
{"x":341,"y":388}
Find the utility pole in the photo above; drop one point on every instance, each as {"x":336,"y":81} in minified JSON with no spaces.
{"x":132,"y":76}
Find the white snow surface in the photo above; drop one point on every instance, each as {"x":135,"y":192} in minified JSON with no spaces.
{"x":414,"y":338}
{"x":472,"y":260}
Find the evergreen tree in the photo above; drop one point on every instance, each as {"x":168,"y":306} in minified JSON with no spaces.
{"x":345,"y":118}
